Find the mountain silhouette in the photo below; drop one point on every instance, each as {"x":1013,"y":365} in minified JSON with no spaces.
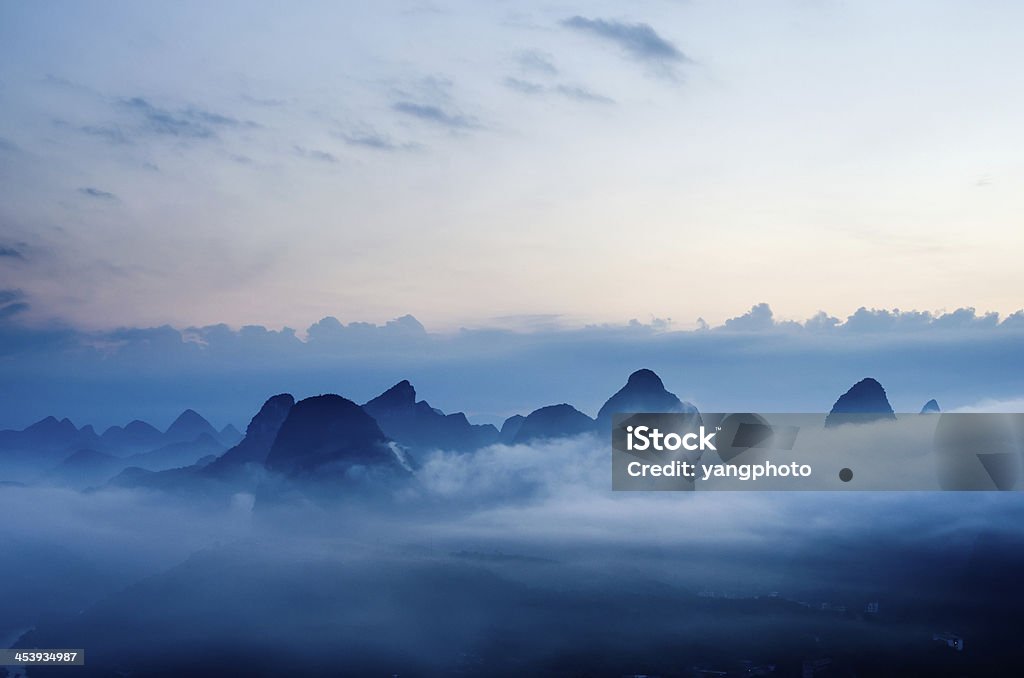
{"x":46,"y":442}
{"x":419,"y":426}
{"x":643,"y":392}
{"x":328,"y":433}
{"x":187,"y":427}
{"x":229,"y":435}
{"x":259,"y":436}
{"x":84,"y":468}
{"x":931,"y":407}
{"x":176,"y":455}
{"x":864,"y":402}
{"x":554,"y":421}
{"x":510,"y":428}
{"x":135,"y":435}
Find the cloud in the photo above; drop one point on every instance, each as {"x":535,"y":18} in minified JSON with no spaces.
{"x":758,"y":318}
{"x":435,"y":114}
{"x":97,"y":193}
{"x":573,"y":92}
{"x":375,"y":141}
{"x":536,"y":62}
{"x":12,"y":303}
{"x":6,"y":145}
{"x":316,"y":154}
{"x":1010,"y":406}
{"x":192,"y":122}
{"x":639,"y":39}
{"x":261,"y":101}
{"x":761,"y":318}
{"x":821,"y":322}
{"x":754,"y":361}
{"x":216,"y":119}
{"x":11,"y":294}
{"x":13,"y":309}
{"x":882,"y":320}
{"x":583,"y":94}
{"x":111,"y":134}
{"x":508,"y":543}
{"x":524,"y":86}
{"x":11,"y":252}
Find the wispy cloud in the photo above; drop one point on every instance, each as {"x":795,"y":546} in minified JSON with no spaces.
{"x":263,"y":101}
{"x":11,"y":294}
{"x":12,"y":303}
{"x":97,"y":193}
{"x":524,"y":86}
{"x":190,"y":122}
{"x":574,"y":92}
{"x":13,"y":309}
{"x":316,"y":154}
{"x":10,"y":252}
{"x":638,"y":39}
{"x":583,"y":94}
{"x":375,"y":140}
{"x":537,"y":62}
{"x":112,"y":134}
{"x":435,"y":114}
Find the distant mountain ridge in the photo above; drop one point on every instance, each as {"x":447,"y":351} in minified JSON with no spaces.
{"x":419,"y":426}
{"x":135,"y":434}
{"x":49,"y":434}
{"x":331,"y":435}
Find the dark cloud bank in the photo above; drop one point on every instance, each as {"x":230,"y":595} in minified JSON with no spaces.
{"x":751,"y":362}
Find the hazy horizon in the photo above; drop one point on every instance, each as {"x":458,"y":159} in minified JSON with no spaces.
{"x":754,"y":361}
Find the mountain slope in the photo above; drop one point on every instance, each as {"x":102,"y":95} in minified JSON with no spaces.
{"x":864,"y":402}
{"x":330,"y":434}
{"x":420,"y":426}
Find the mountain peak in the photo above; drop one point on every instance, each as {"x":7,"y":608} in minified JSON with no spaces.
{"x":865,"y":401}
{"x":328,"y":432}
{"x":644,"y":392}
{"x":510,"y":428}
{"x":188,"y":426}
{"x":419,"y":426}
{"x":188,"y":417}
{"x":140,"y":427}
{"x":51,"y":425}
{"x":401,"y":395}
{"x":259,"y":435}
{"x":135,"y":435}
{"x":931,"y":407}
{"x":645,"y":378}
{"x":553,"y":421}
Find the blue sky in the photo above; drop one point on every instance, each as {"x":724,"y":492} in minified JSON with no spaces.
{"x":485,"y":164}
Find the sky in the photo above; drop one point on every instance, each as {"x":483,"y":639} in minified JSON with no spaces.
{"x":491,"y":164}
